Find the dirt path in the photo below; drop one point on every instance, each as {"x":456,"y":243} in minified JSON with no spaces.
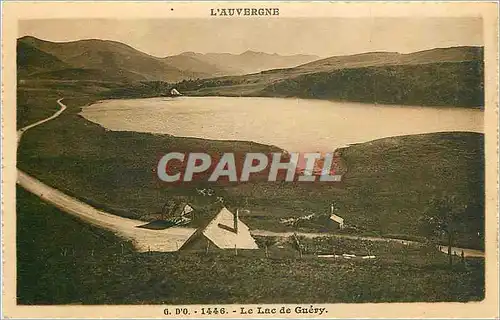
{"x":467,"y":252}
{"x":170,"y":239}
{"x":55,"y":115}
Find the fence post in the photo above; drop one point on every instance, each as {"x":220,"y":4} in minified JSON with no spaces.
{"x":266,"y":252}
{"x":235,"y":250}
{"x":208,"y":245}
{"x":121,"y":245}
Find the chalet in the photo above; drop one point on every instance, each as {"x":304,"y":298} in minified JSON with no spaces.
{"x":175,"y":93}
{"x":335,"y":218}
{"x":224,"y":231}
{"x":173,"y":215}
{"x":187,"y":209}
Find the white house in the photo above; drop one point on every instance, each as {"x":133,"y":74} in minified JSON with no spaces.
{"x":174,"y":92}
{"x":336,"y":218}
{"x":224,"y":231}
{"x":186,"y":210}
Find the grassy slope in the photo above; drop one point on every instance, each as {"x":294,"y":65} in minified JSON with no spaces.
{"x":111,"y":168}
{"x":95,"y":271}
{"x":442,"y":84}
{"x":373,"y":59}
{"x":115,"y":59}
{"x":31,"y":59}
{"x":435,"y":84}
{"x":36,"y":98}
{"x":103,"y":59}
{"x":387,"y":188}
{"x":442,"y":76}
{"x":393,"y":179}
{"x":44,"y":233}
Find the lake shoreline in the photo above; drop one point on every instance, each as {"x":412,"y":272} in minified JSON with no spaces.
{"x":325,"y":127}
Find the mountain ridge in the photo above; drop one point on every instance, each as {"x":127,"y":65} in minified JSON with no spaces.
{"x":452,"y":76}
{"x":114,"y":58}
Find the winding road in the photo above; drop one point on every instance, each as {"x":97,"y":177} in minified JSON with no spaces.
{"x":55,"y":115}
{"x":170,"y":239}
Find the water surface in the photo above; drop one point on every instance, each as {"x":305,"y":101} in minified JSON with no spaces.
{"x":291,"y":124}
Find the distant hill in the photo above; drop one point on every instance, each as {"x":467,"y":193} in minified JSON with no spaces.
{"x":191,"y":64}
{"x":374,"y":59}
{"x":114,"y":60}
{"x":106,"y":60}
{"x":31,"y":60}
{"x":443,"y":76}
{"x":118,"y":75}
{"x":250,"y":61}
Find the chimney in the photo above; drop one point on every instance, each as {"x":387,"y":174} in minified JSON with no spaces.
{"x":331,"y":208}
{"x":236,"y":216}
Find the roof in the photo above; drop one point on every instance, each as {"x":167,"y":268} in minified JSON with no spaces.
{"x":170,"y":239}
{"x":336,"y":218}
{"x":224,"y":238}
{"x":204,"y":215}
{"x":220,"y":232}
{"x":186,"y":209}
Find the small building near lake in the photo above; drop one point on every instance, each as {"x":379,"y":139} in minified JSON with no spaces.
{"x":175,"y":93}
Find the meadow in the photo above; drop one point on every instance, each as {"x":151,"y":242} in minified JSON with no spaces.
{"x":62,"y":260}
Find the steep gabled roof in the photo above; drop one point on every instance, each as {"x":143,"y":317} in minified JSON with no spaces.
{"x":336,"y":218}
{"x":220,"y":231}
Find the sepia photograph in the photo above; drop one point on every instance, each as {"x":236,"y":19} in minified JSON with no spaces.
{"x":246,"y":156}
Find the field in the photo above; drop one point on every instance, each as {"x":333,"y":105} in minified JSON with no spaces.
{"x":64,"y":261}
{"x":388,"y":185}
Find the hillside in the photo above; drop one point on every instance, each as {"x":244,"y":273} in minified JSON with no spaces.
{"x":435,"y":84}
{"x":31,"y":60}
{"x":375,"y":59}
{"x":437,"y":77}
{"x":115,"y":62}
{"x":105,"y":60}
{"x":442,"y":76}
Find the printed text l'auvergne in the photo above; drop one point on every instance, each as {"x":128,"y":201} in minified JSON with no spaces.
{"x":229,"y":12}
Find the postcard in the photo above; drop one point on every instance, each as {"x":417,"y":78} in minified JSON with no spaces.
{"x":250,"y":160}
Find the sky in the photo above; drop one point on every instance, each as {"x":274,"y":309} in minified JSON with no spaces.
{"x":319,"y":36}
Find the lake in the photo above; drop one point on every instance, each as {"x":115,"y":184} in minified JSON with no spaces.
{"x":291,"y":124}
